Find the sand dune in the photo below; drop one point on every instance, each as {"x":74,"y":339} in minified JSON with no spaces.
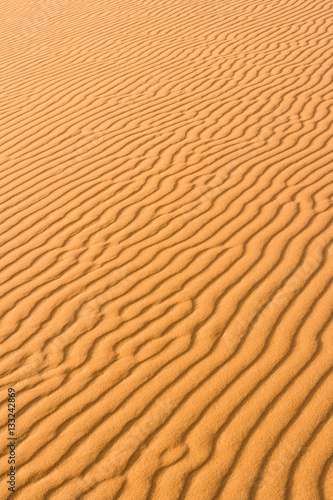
{"x":166,"y":249}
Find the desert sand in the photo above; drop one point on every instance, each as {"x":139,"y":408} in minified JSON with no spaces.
{"x":166,"y":249}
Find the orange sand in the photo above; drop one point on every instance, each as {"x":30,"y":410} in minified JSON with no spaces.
{"x":166,"y":258}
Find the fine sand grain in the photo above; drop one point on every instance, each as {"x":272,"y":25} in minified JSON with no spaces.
{"x":166,"y":248}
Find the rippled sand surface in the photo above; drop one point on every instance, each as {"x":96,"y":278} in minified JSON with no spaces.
{"x":166,"y":248}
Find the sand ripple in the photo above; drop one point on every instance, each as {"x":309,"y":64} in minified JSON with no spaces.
{"x":166,"y":248}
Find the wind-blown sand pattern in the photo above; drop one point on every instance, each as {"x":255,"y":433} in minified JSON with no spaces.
{"x":166,"y":248}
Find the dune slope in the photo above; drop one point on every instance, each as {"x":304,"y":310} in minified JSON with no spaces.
{"x":166,"y":248}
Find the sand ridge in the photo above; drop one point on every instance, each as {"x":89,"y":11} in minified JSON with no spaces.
{"x":166,"y":248}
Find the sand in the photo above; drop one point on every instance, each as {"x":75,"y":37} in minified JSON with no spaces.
{"x":166,"y":249}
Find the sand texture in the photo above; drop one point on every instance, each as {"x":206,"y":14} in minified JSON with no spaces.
{"x":166,"y":248}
